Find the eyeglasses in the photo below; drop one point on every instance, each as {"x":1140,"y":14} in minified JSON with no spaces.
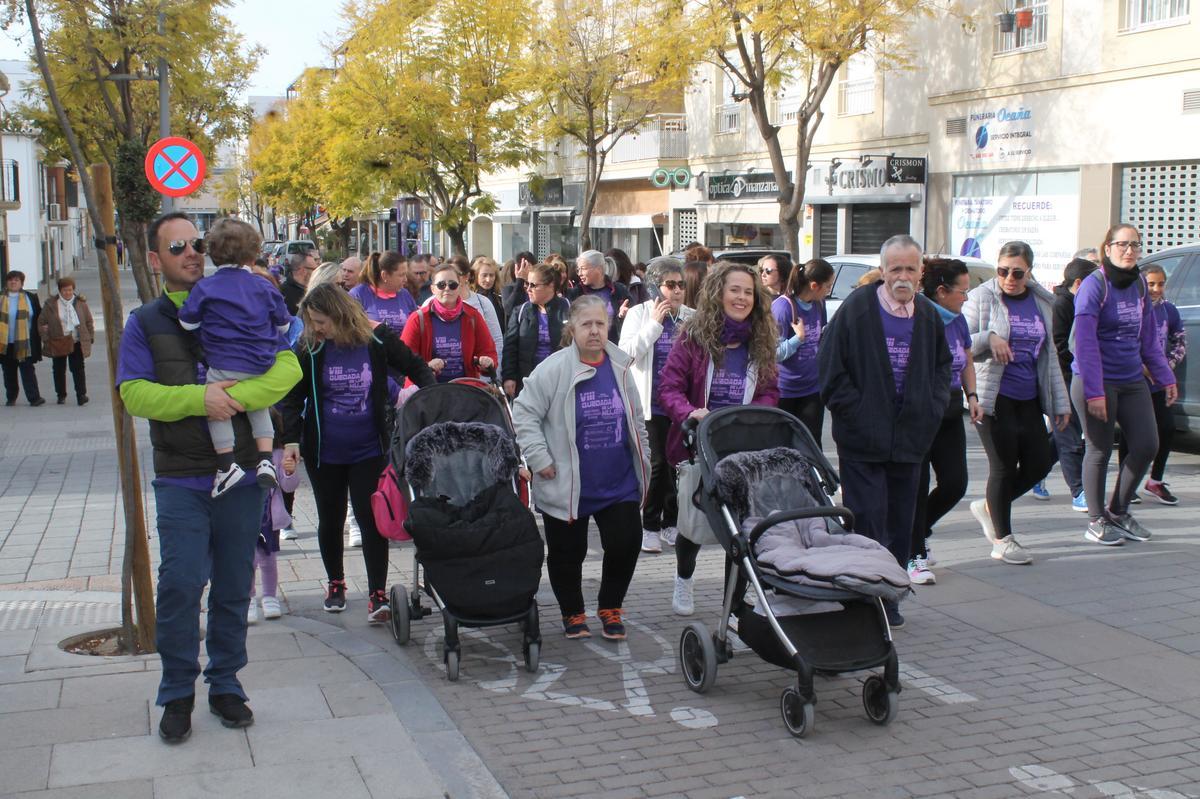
{"x":531,"y":286}
{"x":1017,"y":274}
{"x":1135,"y":246}
{"x":671,"y":285}
{"x":964,"y":292}
{"x":442,"y":285}
{"x":177,"y":246}
{"x":767,"y":271}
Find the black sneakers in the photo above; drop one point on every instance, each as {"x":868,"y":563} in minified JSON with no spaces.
{"x":335,"y":596}
{"x":231,"y":709}
{"x":176,"y":723}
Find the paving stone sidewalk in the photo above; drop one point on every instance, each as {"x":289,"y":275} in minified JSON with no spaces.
{"x":1073,"y":677}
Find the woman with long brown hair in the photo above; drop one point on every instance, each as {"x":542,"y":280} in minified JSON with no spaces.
{"x":724,"y":356}
{"x":381,"y":289}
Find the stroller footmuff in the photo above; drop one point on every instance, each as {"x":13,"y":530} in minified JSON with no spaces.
{"x":803,"y":593}
{"x":476,"y":541}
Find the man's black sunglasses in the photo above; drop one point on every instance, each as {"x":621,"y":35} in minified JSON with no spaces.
{"x":177,"y":246}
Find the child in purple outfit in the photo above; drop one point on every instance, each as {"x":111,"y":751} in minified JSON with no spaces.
{"x":241,"y":319}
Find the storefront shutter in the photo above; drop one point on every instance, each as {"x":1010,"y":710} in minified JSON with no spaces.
{"x":873,"y":224}
{"x":1163,"y":201}
{"x":827,"y":240}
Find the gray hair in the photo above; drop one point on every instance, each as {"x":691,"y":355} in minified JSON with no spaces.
{"x":1086,"y":251}
{"x":592,"y":258}
{"x":580,"y":305}
{"x":660,"y":267}
{"x":897,"y":242}
{"x":325,"y":273}
{"x":297,"y":259}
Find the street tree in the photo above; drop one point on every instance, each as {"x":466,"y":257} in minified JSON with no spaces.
{"x":93,"y":46}
{"x":426,"y":100}
{"x":764,"y":45}
{"x":601,"y":70}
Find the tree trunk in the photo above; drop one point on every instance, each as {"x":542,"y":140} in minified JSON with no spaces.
{"x":133,"y":234}
{"x":458,"y":239}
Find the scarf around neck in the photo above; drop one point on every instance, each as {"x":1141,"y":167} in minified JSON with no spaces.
{"x":68,"y":316}
{"x":383,"y":294}
{"x":447,"y":314}
{"x":19,"y":349}
{"x":947,"y":316}
{"x":1120,"y":278}
{"x":736,"y":331}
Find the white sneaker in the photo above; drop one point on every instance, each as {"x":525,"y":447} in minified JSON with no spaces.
{"x":667,"y":535}
{"x":271,"y":608}
{"x":979,"y":511}
{"x":226,"y":479}
{"x":355,"y":532}
{"x":264,"y":474}
{"x":288,"y":533}
{"x":1008,"y":550}
{"x":252,"y":612}
{"x":919,"y":573}
{"x":650,"y":542}
{"x":681,"y":602}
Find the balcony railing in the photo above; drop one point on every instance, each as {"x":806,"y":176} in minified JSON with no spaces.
{"x":10,"y":184}
{"x":663,"y":137}
{"x":729,"y":118}
{"x":856,"y":96}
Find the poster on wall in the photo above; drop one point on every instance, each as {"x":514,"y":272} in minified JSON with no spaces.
{"x":1049,"y":223}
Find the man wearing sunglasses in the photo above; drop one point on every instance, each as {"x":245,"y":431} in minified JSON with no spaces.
{"x":160,"y":374}
{"x":301,"y":265}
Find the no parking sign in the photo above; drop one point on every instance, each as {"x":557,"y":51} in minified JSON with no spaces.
{"x":175,"y":166}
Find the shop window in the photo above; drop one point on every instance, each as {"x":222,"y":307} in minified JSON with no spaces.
{"x":1139,"y":15}
{"x":856,"y":93}
{"x":1022,"y":39}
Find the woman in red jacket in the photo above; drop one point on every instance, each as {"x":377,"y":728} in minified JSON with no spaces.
{"x":450,"y":335}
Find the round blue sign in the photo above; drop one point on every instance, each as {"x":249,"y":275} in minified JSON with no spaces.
{"x":970,"y":248}
{"x":981,"y":137}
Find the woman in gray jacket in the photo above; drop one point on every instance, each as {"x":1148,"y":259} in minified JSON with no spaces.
{"x":580,"y":425}
{"x":1018,"y":379}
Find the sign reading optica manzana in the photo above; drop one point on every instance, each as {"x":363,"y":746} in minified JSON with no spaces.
{"x":752,"y":186}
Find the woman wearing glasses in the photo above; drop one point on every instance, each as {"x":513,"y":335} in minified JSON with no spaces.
{"x":800,"y":315}
{"x":535,"y":328}
{"x":1116,"y":338}
{"x":647,"y":337}
{"x":448,"y":333}
{"x":1010,"y":319}
{"x":775,"y":272}
{"x":945,"y":282}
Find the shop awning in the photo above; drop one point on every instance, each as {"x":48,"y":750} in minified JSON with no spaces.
{"x":557,"y":215}
{"x":624,"y":221}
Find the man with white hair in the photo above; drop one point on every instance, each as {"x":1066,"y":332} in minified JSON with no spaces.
{"x":593,"y":279}
{"x":348,"y":272}
{"x":885,"y":377}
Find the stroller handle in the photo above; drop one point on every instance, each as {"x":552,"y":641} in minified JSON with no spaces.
{"x":779,"y":517}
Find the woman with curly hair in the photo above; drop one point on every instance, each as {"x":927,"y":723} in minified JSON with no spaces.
{"x":724,"y":356}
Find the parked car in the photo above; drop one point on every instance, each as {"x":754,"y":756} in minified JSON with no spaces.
{"x":268,"y":248}
{"x":849,"y":269}
{"x":741,"y":255}
{"x":1182,"y":267}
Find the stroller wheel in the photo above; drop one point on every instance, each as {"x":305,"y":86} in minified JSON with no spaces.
{"x":452,"y":666}
{"x":880,"y":703}
{"x":401,"y":618}
{"x":797,"y":714}
{"x":533,"y":654}
{"x":697,"y":657}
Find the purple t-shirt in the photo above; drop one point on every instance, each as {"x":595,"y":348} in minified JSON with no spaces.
{"x":1026,"y":338}
{"x":242,"y":319}
{"x":606,"y":295}
{"x":348,"y":432}
{"x":662,"y":348}
{"x":897,"y":336}
{"x":392,"y":311}
{"x":729,"y":379}
{"x":606,"y":473}
{"x":958,"y":339}
{"x":447,"y":345}
{"x":1118,"y":328}
{"x":543,"y":340}
{"x":1167,"y":322}
{"x":798,"y":372}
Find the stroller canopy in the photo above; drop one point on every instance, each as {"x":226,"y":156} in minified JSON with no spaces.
{"x":754,"y":428}
{"x":445,"y":402}
{"x":459,"y":461}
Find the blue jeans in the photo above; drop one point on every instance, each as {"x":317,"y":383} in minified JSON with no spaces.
{"x":203,"y":539}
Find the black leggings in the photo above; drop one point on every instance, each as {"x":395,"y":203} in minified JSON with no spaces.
{"x":567,"y":546}
{"x":1129,"y":405}
{"x":662,"y":508}
{"x":809,"y":410}
{"x":330,"y":484}
{"x":1166,"y":434}
{"x":948,"y":460}
{"x":1018,"y":451}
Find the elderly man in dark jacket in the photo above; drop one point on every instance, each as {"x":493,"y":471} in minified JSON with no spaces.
{"x":885,"y":371}
{"x":1069,"y":441}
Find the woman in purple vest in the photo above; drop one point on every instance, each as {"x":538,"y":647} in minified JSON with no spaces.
{"x":800,"y":314}
{"x":1115,"y":340}
{"x":381,"y":290}
{"x":725,"y":355}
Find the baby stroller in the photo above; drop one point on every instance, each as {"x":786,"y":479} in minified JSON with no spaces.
{"x":476,"y":541}
{"x":760,"y":469}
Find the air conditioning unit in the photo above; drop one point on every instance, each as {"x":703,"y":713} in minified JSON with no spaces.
{"x":55,"y":212}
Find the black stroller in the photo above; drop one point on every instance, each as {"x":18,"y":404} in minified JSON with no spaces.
{"x":475,"y":538}
{"x":754,"y":460}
